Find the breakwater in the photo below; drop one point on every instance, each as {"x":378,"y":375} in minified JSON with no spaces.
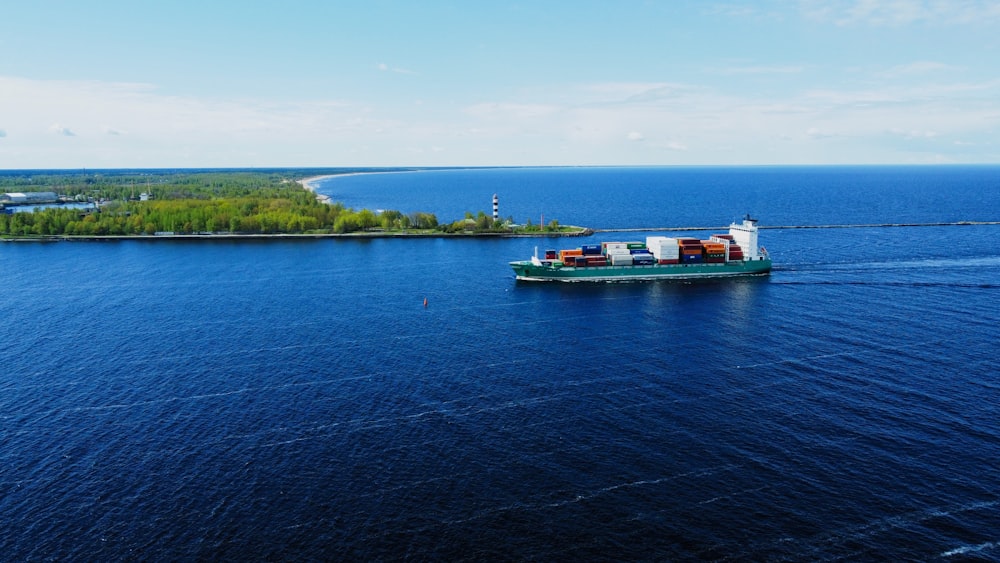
{"x":853,"y":226}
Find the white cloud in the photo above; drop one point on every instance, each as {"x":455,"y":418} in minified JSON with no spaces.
{"x":817,"y":133}
{"x":386,"y":68}
{"x":760,"y":69}
{"x":502,"y":111}
{"x":913,"y":134}
{"x":897,"y":13}
{"x":732,"y":10}
{"x":582,"y":124}
{"x":634,"y":92}
{"x":917,"y":68}
{"x":3,"y":133}
{"x":60,"y":130}
{"x":166,"y":130}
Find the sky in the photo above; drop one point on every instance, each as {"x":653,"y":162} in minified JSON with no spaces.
{"x":300,"y":83}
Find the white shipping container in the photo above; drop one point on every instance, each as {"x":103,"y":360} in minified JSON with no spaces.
{"x":621,"y":259}
{"x":657,"y":241}
{"x":616,"y":246}
{"x":666,"y":252}
{"x":615,"y":251}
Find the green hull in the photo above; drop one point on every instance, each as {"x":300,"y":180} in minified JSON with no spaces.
{"x":527,"y":270}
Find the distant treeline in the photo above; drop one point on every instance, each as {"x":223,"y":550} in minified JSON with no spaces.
{"x":209,"y":201}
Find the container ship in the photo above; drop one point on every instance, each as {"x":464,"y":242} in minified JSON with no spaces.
{"x":660,"y":257}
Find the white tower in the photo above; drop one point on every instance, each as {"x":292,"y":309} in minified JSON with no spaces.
{"x":496,"y":207}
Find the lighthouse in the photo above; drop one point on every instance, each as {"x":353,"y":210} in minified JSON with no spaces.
{"x":496,"y":207}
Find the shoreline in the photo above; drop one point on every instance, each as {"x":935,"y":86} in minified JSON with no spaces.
{"x":579,"y":232}
{"x":309,"y":184}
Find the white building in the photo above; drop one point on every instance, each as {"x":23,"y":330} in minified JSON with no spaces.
{"x":29,"y":197}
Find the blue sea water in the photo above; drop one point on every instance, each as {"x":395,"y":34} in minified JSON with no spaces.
{"x":295,"y":400}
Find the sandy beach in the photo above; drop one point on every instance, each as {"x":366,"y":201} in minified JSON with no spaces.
{"x":310,"y":185}
{"x":311,"y":182}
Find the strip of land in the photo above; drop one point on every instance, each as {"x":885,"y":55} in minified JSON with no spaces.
{"x":207,"y":204}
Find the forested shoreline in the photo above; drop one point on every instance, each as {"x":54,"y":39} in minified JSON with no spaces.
{"x":252,"y":202}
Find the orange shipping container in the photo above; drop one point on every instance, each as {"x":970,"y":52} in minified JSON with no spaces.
{"x":570,"y":252}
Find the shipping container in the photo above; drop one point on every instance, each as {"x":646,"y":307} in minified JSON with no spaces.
{"x":690,"y":258}
{"x":661,"y":254}
{"x":668,"y":261}
{"x":570,"y":252}
{"x":615,"y":246}
{"x":632,"y":245}
{"x":660,"y":241}
{"x":550,"y":254}
{"x":591,"y":249}
{"x":615,"y":251}
{"x":621,"y":259}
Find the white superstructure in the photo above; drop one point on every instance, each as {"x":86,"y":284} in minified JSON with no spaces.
{"x":745,"y":235}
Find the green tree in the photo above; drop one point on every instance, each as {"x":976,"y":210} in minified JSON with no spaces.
{"x":366,"y":219}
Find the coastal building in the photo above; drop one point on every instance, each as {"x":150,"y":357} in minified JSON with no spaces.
{"x":27,"y":198}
